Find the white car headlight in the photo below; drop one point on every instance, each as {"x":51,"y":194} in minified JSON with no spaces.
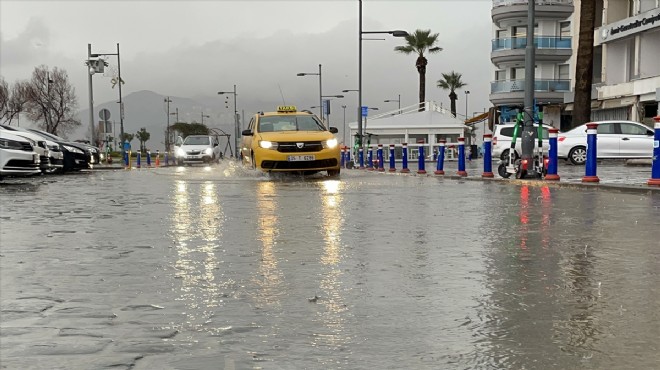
{"x":73,"y":149}
{"x":180,"y":152}
{"x":267,"y":144}
{"x":330,"y":143}
{"x":208,"y":151}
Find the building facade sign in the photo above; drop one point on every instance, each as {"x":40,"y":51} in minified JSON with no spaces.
{"x":629,"y":26}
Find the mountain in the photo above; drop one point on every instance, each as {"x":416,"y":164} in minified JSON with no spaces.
{"x":148,"y":109}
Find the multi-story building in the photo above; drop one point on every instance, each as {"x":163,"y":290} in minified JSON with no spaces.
{"x":554,"y":48}
{"x":626,"y":60}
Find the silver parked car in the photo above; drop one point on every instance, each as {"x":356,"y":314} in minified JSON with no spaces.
{"x":615,"y":139}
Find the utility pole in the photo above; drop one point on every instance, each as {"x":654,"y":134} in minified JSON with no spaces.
{"x":528,"y":115}
{"x":167,"y":129}
{"x":91,"y":94}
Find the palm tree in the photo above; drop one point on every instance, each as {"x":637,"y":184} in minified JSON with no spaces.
{"x":584,"y":67}
{"x":143,"y":136}
{"x":451,"y":81}
{"x":419,"y":42}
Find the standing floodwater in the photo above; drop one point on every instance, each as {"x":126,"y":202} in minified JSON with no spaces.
{"x":222,"y":268}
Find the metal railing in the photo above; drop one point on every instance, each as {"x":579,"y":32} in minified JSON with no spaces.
{"x":542,"y":42}
{"x":539,"y":85}
{"x":497,"y":3}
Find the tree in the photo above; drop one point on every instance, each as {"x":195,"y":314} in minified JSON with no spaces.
{"x":584,"y":67}
{"x":51,"y":100}
{"x":143,"y":136}
{"x":419,"y":42}
{"x":452,"y":81}
{"x":12,"y":101}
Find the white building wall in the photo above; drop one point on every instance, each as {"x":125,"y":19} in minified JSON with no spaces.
{"x":649,"y":54}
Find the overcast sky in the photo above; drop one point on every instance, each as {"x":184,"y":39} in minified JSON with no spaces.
{"x":196,"y":48}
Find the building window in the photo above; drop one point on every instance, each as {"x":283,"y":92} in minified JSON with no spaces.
{"x":563,"y":72}
{"x":646,"y":5}
{"x":597,"y":76}
{"x":500,"y":75}
{"x":631,"y":8}
{"x":518,"y":73}
{"x":565,"y":30}
{"x":502,"y":34}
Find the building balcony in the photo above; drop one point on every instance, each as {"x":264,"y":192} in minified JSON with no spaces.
{"x":506,"y":13}
{"x":512,"y":92}
{"x":548,"y":49}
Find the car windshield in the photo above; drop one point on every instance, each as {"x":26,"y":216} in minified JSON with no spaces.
{"x":289,"y":123}
{"x":50,"y":136}
{"x":196,"y":140}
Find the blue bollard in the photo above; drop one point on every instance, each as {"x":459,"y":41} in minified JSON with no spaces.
{"x":404,"y":149}
{"x":551,"y":174}
{"x":166,"y":160}
{"x":461,"y":157}
{"x":421,"y":161}
{"x":370,"y":159}
{"x":342,"y":162}
{"x":655,"y":167}
{"x":125,"y":159}
{"x":361,"y":157}
{"x":381,"y":163}
{"x":137,"y":162}
{"x":148,"y":158}
{"x":591,"y":167}
{"x":440,"y":170}
{"x":488,"y":160}
{"x":392,"y":159}
{"x":348,"y":157}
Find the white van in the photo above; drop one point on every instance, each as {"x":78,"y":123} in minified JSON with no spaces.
{"x":197,"y":149}
{"x":503,"y":134}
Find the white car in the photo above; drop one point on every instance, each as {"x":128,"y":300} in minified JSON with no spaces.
{"x":17,"y":156}
{"x":50,"y":155}
{"x":615,"y":139}
{"x":197,"y":149}
{"x":503,"y":134}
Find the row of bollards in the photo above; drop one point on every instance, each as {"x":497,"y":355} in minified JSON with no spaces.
{"x":167,"y":160}
{"x":550,"y":163}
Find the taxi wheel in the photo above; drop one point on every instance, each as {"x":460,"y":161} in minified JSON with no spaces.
{"x":334,"y":173}
{"x":253,"y":164}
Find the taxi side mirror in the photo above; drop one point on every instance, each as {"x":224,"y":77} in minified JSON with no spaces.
{"x":334,"y":130}
{"x":246,"y":133}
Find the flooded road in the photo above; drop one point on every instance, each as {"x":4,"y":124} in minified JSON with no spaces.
{"x":222,"y":268}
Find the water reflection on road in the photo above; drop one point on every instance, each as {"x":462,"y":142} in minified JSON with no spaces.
{"x":219,"y":267}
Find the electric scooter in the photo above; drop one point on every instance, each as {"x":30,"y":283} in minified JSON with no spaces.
{"x":519,"y":167}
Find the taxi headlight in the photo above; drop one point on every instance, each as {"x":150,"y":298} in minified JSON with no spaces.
{"x":180,"y":152}
{"x":267,"y":144}
{"x":329,"y":144}
{"x":208,"y":151}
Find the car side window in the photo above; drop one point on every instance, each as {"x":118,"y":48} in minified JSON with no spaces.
{"x":606,"y":128}
{"x":507,"y":131}
{"x":630,"y":129}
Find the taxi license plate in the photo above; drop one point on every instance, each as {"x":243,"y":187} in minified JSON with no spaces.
{"x":191,"y":157}
{"x":300,"y":158}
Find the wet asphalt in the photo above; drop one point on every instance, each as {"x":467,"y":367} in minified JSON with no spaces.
{"x":223,"y":268}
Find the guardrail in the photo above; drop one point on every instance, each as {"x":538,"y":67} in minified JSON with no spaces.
{"x":497,"y":3}
{"x":542,"y":42}
{"x":543,"y":85}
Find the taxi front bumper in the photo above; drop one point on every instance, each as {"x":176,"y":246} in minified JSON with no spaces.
{"x":272,"y":160}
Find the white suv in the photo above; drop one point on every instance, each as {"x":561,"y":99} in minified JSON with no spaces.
{"x":197,"y":149}
{"x":503,"y":133}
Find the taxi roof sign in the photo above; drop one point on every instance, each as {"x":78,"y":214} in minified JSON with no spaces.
{"x":286,"y":108}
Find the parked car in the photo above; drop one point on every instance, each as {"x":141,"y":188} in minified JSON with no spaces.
{"x":96,"y":151}
{"x":503,"y":134}
{"x":17,"y":156}
{"x":615,"y":139}
{"x":76,"y":155}
{"x":53,"y":158}
{"x":197,"y":149}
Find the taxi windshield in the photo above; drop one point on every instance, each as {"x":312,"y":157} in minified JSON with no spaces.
{"x":196,"y":140}
{"x":289,"y":123}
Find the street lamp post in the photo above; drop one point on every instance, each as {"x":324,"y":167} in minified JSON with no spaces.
{"x":344,"y":129}
{"x":320,"y":89}
{"x":236,"y":132}
{"x":467,"y":92}
{"x":204,"y":116}
{"x":119,"y":83}
{"x":395,"y":100}
{"x":395,"y":33}
{"x":167,"y":129}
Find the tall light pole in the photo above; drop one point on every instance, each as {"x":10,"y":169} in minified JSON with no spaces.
{"x":236,"y":132}
{"x":530,"y":63}
{"x":119,"y":82}
{"x":320,"y":89}
{"x":467,"y":92}
{"x":395,"y":100}
{"x":204,"y":115}
{"x":91,"y":93}
{"x":344,"y":107}
{"x":395,"y":33}
{"x":167,"y":129}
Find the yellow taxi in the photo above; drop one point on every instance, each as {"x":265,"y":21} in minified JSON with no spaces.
{"x":290,"y":141}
